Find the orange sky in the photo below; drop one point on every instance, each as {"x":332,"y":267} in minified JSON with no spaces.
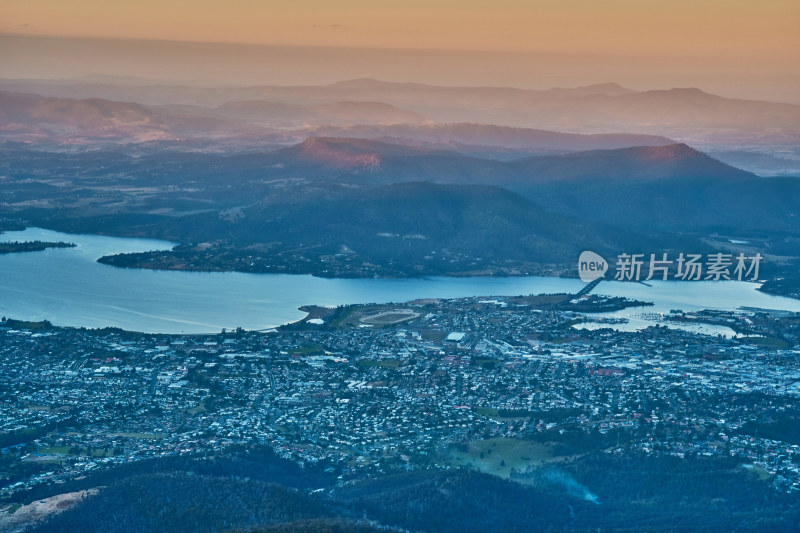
{"x":737,"y":48}
{"x":768,"y":29}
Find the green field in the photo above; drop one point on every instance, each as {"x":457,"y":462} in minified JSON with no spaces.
{"x":491,"y":412}
{"x":389,"y":316}
{"x":435,"y":336}
{"x":11,"y":509}
{"x":306,"y":350}
{"x":767,"y":342}
{"x":138,"y":435}
{"x":499,"y":456}
{"x":81,"y":451}
{"x":386,"y":363}
{"x":201,"y":408}
{"x":54,"y":450}
{"x":758,"y":471}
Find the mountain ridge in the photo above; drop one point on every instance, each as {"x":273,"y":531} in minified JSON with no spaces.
{"x":684,"y":114}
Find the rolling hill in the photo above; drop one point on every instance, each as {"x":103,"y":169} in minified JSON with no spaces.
{"x":402,"y":229}
{"x":683,"y":114}
{"x":487,"y":140}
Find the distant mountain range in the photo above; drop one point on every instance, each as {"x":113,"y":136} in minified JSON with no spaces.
{"x":399,"y":162}
{"x":348,"y":112}
{"x":648,"y":189}
{"x":334,"y":206}
{"x":490,"y":141}
{"x":86,"y":122}
{"x":370,"y":178}
{"x":637,"y":164}
{"x":683,"y":114}
{"x":247,"y":124}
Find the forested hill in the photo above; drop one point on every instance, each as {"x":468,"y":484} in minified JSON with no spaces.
{"x":255,"y":489}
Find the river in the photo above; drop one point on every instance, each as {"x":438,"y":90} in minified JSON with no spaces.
{"x":69,"y":288}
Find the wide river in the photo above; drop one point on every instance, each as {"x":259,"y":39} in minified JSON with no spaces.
{"x":69,"y":288}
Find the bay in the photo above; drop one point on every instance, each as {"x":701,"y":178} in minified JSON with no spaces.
{"x":69,"y":288}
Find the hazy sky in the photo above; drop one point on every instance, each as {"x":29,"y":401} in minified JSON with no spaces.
{"x":742,"y":27}
{"x":736,"y":42}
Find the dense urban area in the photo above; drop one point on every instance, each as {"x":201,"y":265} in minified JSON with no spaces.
{"x":505,"y":386}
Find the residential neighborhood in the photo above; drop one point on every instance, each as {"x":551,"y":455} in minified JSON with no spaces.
{"x":364,"y":390}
